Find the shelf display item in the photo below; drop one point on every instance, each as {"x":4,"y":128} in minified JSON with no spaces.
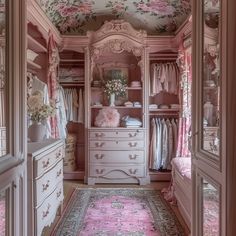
{"x":107,"y":117}
{"x":128,"y":121}
{"x":208,"y":113}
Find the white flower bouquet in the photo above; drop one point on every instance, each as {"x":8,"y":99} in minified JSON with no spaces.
{"x":116,"y":84}
{"x":37,"y":110}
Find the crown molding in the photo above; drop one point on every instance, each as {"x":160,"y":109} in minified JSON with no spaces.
{"x":37,"y":17}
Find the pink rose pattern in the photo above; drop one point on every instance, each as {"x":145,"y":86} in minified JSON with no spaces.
{"x":78,"y":16}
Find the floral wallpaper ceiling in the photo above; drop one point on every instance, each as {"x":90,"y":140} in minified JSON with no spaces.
{"x":154,"y":16}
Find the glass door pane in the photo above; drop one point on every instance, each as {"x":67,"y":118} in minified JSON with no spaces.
{"x":2,"y":213}
{"x":3,"y":143}
{"x":211,"y":77}
{"x":211,"y":209}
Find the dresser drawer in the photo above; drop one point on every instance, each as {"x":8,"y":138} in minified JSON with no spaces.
{"x":117,"y":157}
{"x":45,"y":214}
{"x":48,"y":160}
{"x":47,"y":183}
{"x":137,"y":134}
{"x":116,"y":145}
{"x":107,"y":171}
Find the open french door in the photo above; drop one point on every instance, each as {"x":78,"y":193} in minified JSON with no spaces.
{"x":209,"y":118}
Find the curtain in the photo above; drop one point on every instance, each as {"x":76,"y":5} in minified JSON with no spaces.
{"x":183,"y":148}
{"x":53,"y":61}
{"x":184,"y":62}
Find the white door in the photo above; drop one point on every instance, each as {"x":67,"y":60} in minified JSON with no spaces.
{"x":209,"y":118}
{"x":13,"y":194}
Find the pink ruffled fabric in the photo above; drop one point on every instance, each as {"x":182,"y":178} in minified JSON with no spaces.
{"x":183,"y":164}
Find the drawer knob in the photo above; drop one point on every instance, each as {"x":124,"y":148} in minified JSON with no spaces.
{"x":59,"y":154}
{"x":133,"y":144}
{"x":46,"y":186}
{"x":99,"y":156}
{"x":99,"y":144}
{"x":100,"y":171}
{"x":45,"y":213}
{"x":46,"y":163}
{"x":99,"y":135}
{"x":131,"y":135}
{"x":59,"y":194}
{"x":133,"y":172}
{"x":59,"y":173}
{"x":133,"y":157}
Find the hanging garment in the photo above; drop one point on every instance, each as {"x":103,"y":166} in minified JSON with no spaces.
{"x":170,"y":145}
{"x":81,"y":107}
{"x":175,"y":137}
{"x":75,"y":104}
{"x":159,"y":128}
{"x":61,"y":114}
{"x":165,"y":145}
{"x":164,"y":77}
{"x":153,"y":145}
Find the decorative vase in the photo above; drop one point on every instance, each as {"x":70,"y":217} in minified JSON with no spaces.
{"x":36,"y":132}
{"x":112,"y":100}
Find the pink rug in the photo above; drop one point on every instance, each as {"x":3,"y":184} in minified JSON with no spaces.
{"x":118,"y":212}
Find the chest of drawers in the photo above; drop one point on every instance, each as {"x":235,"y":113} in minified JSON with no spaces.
{"x":45,"y":165}
{"x":117,"y":156}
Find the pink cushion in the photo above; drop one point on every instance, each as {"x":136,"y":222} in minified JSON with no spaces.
{"x":183,"y":165}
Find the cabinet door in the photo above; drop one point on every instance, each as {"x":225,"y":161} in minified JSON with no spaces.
{"x":13,"y":192}
{"x":208,"y":172}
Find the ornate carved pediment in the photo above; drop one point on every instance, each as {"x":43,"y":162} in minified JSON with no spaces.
{"x":117,"y":27}
{"x":116,"y":46}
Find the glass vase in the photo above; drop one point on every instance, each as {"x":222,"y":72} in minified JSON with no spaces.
{"x":112,"y":100}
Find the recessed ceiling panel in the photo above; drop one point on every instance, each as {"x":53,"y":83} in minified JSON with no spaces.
{"x":154,"y":16}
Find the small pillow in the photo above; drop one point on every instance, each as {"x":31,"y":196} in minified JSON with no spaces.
{"x":107,"y":117}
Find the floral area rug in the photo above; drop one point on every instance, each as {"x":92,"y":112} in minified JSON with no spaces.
{"x":118,"y":212}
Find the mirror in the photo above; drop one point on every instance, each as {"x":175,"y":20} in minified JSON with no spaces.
{"x":211,"y":210}
{"x":211,"y":77}
{"x":3,"y":131}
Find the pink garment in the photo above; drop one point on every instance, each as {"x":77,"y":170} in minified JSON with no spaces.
{"x":53,"y":60}
{"x":183,"y":139}
{"x":183,"y":165}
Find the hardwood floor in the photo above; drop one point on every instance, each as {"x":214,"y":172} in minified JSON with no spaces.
{"x":69,"y":186}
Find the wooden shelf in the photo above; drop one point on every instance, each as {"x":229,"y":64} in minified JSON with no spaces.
{"x":134,"y":88}
{"x":210,"y":87}
{"x":128,"y":88}
{"x":33,"y":65}
{"x":117,"y":107}
{"x":119,"y":127}
{"x":76,"y":174}
{"x":34,"y":45}
{"x":164,"y":110}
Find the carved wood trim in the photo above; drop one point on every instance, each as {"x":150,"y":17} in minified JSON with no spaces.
{"x":117,"y":27}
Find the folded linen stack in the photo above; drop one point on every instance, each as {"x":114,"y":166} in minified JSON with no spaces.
{"x":137,"y":104}
{"x":130,"y":122}
{"x":128,"y":104}
{"x":174,"y":106}
{"x":153,"y":106}
{"x":162,"y":106}
{"x":135,"y":84}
